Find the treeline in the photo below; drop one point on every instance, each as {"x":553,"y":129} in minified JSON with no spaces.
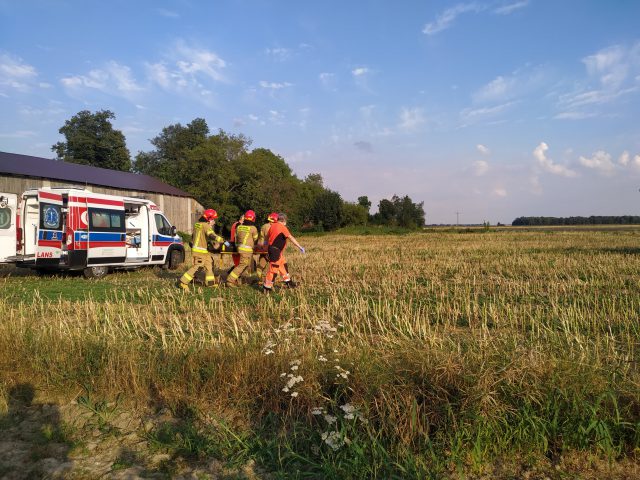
{"x":222,"y":172}
{"x":592,"y":220}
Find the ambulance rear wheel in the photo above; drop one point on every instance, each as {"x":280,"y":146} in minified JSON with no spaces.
{"x":95,"y":272}
{"x":174,"y":260}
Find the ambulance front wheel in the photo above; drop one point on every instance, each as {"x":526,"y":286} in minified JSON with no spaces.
{"x":95,"y":272}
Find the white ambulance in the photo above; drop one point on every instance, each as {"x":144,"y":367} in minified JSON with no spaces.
{"x":53,"y":229}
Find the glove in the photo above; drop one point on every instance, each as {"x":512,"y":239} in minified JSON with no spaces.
{"x":302,"y":250}
{"x":227,"y":244}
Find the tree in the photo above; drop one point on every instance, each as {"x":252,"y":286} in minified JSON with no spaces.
{"x":365,"y":203}
{"x":327,"y":210}
{"x":400,"y":212}
{"x":91,"y":140}
{"x":166,"y":162}
{"x":354,"y":214}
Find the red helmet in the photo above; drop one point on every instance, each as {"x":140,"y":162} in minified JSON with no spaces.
{"x":210,"y":214}
{"x":250,"y":215}
{"x":273,"y":217}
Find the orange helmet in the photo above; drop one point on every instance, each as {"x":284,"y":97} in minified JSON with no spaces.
{"x":210,"y":214}
{"x":250,"y":215}
{"x":273,"y":217}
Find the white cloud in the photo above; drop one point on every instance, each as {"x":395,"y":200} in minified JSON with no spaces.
{"x":600,"y":161}
{"x":275,"y":85}
{"x":484,"y":150}
{"x":624,"y":159}
{"x":193,"y":61}
{"x":469,"y":114}
{"x":574,"y":115}
{"x":411,"y":119}
{"x":280,"y":54}
{"x":610,"y":65}
{"x":16,"y":74}
{"x":548,"y":165}
{"x":496,"y":90}
{"x":167,"y":13}
{"x":499,"y":192}
{"x":611,"y":75}
{"x":19,"y":134}
{"x":113,"y":79}
{"x":512,"y":7}
{"x":446,"y":18}
{"x":480,"y":167}
{"x":360,"y":71}
{"x":253,"y":118}
{"x":636,"y":161}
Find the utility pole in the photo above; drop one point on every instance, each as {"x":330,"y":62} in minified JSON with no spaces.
{"x":458,"y":218}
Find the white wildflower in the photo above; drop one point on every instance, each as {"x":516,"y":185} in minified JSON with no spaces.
{"x":295,"y":362}
{"x":294,"y":394}
{"x":322,"y":358}
{"x":283,"y":374}
{"x":285,"y":389}
{"x":334,"y":439}
{"x":268,"y":351}
{"x":294,"y":367}
{"x":330,"y":419}
{"x":316,"y":411}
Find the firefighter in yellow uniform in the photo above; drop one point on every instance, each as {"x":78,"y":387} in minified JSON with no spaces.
{"x":246,"y":238}
{"x":263,"y":260}
{"x":202,"y":231}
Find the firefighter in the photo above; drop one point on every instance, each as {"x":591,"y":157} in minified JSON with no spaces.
{"x":277,"y":239}
{"x":246,"y":237}
{"x":263,"y":260}
{"x":203,"y":231}
{"x":235,"y":256}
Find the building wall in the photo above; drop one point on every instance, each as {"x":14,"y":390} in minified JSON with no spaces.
{"x":181,"y":211}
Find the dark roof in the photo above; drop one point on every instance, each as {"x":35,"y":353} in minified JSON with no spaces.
{"x":28,"y":166}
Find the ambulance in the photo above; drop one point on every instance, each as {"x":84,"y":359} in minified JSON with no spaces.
{"x":53,"y":229}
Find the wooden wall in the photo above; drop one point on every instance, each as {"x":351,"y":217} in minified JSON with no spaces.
{"x":181,"y":211}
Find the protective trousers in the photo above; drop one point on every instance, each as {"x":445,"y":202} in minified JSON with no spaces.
{"x":244,"y":262}
{"x":263,"y":262}
{"x":200,"y":261}
{"x":275,"y":268}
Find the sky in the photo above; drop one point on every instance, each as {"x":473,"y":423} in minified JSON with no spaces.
{"x":493,"y":109}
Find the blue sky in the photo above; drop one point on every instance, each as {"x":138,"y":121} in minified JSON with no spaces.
{"x":495,"y":109}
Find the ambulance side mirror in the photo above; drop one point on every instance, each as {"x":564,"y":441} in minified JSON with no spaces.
{"x":174,"y":230}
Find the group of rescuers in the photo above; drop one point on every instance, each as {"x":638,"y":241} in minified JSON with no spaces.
{"x":271,"y":241}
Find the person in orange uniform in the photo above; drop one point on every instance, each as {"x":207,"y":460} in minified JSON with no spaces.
{"x":202,"y":231}
{"x":246,"y":238}
{"x":263,"y":238}
{"x":277,"y":240}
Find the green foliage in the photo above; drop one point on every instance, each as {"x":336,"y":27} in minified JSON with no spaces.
{"x":91,"y":140}
{"x":327,"y":210}
{"x":354,"y":214}
{"x":401,"y":212}
{"x":222,"y":173}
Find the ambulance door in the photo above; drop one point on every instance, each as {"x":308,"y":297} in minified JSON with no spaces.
{"x":50,"y":229}
{"x":107,"y":231}
{"x":162,"y":236}
{"x":8,"y":207}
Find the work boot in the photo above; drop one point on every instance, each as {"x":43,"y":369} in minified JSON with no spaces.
{"x":266,"y":290}
{"x":182,"y":286}
{"x":291,"y":284}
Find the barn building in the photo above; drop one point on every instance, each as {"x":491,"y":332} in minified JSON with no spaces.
{"x":23,"y":172}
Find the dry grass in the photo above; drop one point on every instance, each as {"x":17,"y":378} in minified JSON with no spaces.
{"x":456,"y":349}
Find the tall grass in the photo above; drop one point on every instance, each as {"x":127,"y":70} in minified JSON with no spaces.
{"x":416,"y":355}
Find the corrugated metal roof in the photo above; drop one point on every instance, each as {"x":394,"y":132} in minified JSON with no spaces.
{"x":28,"y":166}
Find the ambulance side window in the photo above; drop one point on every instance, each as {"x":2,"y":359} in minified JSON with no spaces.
{"x":5,"y":218}
{"x":103,"y":220}
{"x":162,"y":225}
{"x":50,"y":217}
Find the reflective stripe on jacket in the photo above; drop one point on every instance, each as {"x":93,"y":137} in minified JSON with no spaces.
{"x":246,"y":236}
